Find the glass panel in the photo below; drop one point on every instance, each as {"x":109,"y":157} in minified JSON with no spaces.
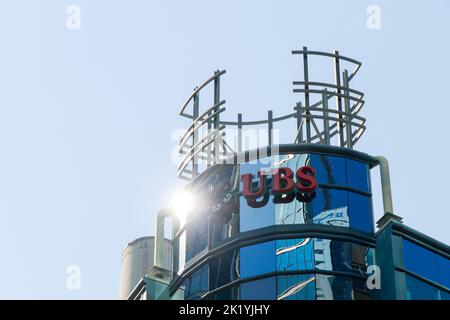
{"x":360,"y":290}
{"x":296,"y":287}
{"x":360,"y":211}
{"x":362,"y":257}
{"x":333,"y":288}
{"x":418,"y":290}
{"x":197,"y":284}
{"x":358,"y":175}
{"x":264,"y":289}
{"x":258,"y":259}
{"x":333,"y":255}
{"x":224,"y":225}
{"x":444,"y":295}
{"x":255,"y":218}
{"x":224,"y":269}
{"x":226,"y":294}
{"x":443,"y":268}
{"x":420,"y":260}
{"x":329,"y":169}
{"x":330,"y":207}
{"x":295,"y":254}
{"x":196,"y":236}
{"x":293,"y":161}
{"x":294,"y":212}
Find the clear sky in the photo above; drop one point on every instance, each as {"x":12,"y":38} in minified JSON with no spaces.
{"x":86,"y":116}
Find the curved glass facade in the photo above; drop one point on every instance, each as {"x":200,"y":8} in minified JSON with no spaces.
{"x":289,"y":268}
{"x":295,"y":269}
{"x":342,"y":199}
{"x":427,"y":273}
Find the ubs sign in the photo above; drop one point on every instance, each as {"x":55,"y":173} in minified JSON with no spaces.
{"x":284,"y":187}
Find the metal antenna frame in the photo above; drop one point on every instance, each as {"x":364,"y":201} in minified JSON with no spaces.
{"x":317,"y":122}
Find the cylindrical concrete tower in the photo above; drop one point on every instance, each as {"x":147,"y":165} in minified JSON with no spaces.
{"x":137,"y":259}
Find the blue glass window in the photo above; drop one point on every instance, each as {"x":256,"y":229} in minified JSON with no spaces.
{"x":333,"y":288}
{"x":420,"y":260}
{"x":296,"y":287}
{"x":258,"y":259}
{"x":295,"y":254}
{"x":329,"y":169}
{"x":196,"y":236}
{"x":224,"y":224}
{"x":330,"y":207}
{"x":264,"y":289}
{"x":226,"y":294}
{"x":197,"y":284}
{"x":444,"y":295}
{"x":333,"y":255}
{"x":358,"y":175}
{"x":419,"y":290}
{"x":360,"y":211}
{"x":255,"y":218}
{"x":294,"y":212}
{"x":223,"y":270}
{"x":443,"y":268}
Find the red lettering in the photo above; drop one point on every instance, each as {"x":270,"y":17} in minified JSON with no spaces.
{"x":283,"y":185}
{"x":283,"y":176}
{"x":305,"y":179}
{"x":247,"y":180}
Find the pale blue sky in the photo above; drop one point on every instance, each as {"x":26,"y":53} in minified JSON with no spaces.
{"x":84,"y":166}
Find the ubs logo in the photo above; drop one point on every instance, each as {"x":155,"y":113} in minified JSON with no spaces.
{"x":283,"y":186}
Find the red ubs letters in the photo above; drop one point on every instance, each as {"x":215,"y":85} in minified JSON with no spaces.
{"x":283,"y":182}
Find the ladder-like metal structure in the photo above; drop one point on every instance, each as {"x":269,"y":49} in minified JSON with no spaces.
{"x":318,"y":119}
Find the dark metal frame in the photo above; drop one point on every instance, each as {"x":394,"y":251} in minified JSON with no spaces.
{"x":341,"y":121}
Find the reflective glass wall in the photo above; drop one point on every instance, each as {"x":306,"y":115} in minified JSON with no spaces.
{"x":287,"y":269}
{"x":343,"y":197}
{"x":296,"y":268}
{"x":427,"y":274}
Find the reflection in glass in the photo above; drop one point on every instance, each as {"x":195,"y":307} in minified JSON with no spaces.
{"x":425,"y":263}
{"x":252,"y":218}
{"x":197,"y":284}
{"x":263,"y":289}
{"x":333,"y":288}
{"x":444,"y":295}
{"x":443,"y":267}
{"x":362,"y":257}
{"x":224,"y":269}
{"x":226,"y":294}
{"x":358,"y":176}
{"x":419,"y":290}
{"x":333,"y":255}
{"x":224,"y":225}
{"x":296,"y":287}
{"x":361,"y":215}
{"x":294,"y":212}
{"x":330,"y":207}
{"x":258,"y":259}
{"x":329,"y":169}
{"x":295,"y":254}
{"x":360,"y":290}
{"x":196,"y":236}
